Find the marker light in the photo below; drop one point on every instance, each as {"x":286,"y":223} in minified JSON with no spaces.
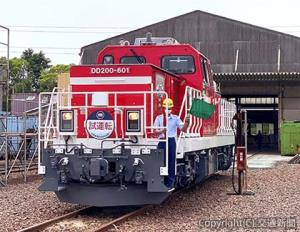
{"x":133,"y":121}
{"x":66,"y":121}
{"x":67,"y":115}
{"x":133,"y":115}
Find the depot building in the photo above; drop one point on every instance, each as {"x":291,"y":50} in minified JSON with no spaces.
{"x":257,"y":68}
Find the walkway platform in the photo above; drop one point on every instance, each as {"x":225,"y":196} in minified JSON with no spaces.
{"x":266,"y":159}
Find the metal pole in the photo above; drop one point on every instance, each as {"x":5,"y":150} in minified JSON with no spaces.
{"x":246,"y":146}
{"x":236,"y":60}
{"x":246,"y":130}
{"x":278,"y":59}
{"x":8,"y":71}
{"x":6,"y":155}
{"x":7,"y":92}
{"x":240,"y":182}
{"x":25,"y":144}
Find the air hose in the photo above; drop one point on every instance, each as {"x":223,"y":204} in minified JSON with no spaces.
{"x":234,"y":156}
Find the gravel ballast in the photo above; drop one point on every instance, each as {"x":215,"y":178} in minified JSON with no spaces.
{"x":22,"y":205}
{"x":276,"y":199}
{"x":277,"y":196}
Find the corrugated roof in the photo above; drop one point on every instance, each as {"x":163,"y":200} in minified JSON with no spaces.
{"x":186,"y":14}
{"x":257,"y":76}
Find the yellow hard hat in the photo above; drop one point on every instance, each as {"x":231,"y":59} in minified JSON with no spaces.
{"x":168,"y":103}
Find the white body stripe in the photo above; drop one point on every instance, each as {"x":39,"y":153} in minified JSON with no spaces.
{"x":110,"y":80}
{"x":195,"y":144}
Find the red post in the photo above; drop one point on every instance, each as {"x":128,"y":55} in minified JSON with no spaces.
{"x":241,"y":158}
{"x":241,"y":167}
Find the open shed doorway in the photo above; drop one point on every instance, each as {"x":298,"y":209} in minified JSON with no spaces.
{"x":262,"y":130}
{"x":262,"y":117}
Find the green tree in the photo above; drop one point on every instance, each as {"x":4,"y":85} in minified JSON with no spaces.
{"x":49,"y":77}
{"x":20,"y":81}
{"x":37,"y":62}
{"x":3,"y":77}
{"x":3,"y":68}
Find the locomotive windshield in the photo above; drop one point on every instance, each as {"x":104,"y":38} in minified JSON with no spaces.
{"x":178,"y":64}
{"x":108,"y":59}
{"x":132,"y":60}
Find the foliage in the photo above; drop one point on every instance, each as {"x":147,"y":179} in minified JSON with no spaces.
{"x":3,"y":68}
{"x":32,"y":72}
{"x":49,"y":76}
{"x":36,"y":63}
{"x":20,"y":81}
{"x":3,"y":77}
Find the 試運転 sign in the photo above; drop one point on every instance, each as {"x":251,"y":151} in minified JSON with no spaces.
{"x":100,"y":124}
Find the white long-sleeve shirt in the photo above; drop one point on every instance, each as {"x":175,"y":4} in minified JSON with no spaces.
{"x":174,"y":122}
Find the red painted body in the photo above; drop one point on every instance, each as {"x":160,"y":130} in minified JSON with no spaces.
{"x":175,"y":84}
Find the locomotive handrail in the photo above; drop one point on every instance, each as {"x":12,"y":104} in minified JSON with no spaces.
{"x":226,"y":113}
{"x":47,"y":127}
{"x":189,"y":94}
{"x":115,"y":106}
{"x":46,"y":122}
{"x":48,"y":113}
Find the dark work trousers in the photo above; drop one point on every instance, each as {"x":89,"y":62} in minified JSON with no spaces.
{"x":170,"y":180}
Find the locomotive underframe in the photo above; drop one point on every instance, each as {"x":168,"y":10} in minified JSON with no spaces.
{"x":102,"y":178}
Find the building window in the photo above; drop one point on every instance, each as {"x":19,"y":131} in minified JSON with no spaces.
{"x":259,"y":100}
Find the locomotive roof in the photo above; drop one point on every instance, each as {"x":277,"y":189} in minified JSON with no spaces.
{"x":171,"y":47}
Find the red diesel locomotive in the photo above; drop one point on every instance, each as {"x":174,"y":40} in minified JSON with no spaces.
{"x":98,"y":144}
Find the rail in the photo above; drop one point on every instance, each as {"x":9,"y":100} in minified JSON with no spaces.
{"x":43,"y":225}
{"x":99,"y":224}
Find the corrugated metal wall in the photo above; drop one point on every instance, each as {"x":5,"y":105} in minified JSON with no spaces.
{"x":18,"y":125}
{"x":219,"y":39}
{"x":21,"y":102}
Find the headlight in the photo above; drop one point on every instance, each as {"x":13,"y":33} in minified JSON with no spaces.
{"x":133,"y":115}
{"x":66,"y":121}
{"x":67,"y":116}
{"x":133,"y":121}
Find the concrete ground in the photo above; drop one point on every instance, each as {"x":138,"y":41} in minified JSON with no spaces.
{"x":265,"y":159}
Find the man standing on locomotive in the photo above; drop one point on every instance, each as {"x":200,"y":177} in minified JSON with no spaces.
{"x":174,"y":122}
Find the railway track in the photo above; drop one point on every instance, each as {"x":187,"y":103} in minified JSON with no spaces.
{"x":18,"y":169}
{"x":100,"y":223}
{"x":121,"y":219}
{"x":295,"y":159}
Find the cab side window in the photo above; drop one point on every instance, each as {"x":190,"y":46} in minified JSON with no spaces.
{"x":132,"y":60}
{"x":205,"y":71}
{"x":108,"y":59}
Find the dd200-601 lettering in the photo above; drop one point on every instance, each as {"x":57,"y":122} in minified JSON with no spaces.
{"x":119,"y":70}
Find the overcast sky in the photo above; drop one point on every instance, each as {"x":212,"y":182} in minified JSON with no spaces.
{"x":61,"y":27}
